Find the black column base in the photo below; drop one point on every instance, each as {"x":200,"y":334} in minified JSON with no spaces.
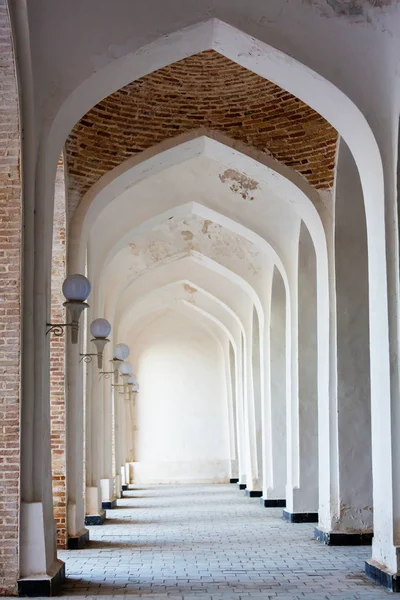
{"x":379,"y":575}
{"x":253,"y":493}
{"x":48,"y":586}
{"x":77,"y":542}
{"x":96,"y":519}
{"x":303,"y":517}
{"x":109,"y":505}
{"x":337,"y":538}
{"x":234,"y":480}
{"x":124,"y":488}
{"x":242,"y":486}
{"x":273,"y":503}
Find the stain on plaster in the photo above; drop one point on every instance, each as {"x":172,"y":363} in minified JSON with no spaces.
{"x":134,"y":249}
{"x":360,"y":517}
{"x":187,"y":235}
{"x":205,"y":227}
{"x":181,"y":237}
{"x":191,"y":291}
{"x":241,"y":183}
{"x":188,"y":288}
{"x":358,"y":11}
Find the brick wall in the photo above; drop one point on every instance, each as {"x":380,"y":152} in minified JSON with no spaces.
{"x":205,"y":90}
{"x":10,"y":309}
{"x":57,"y":361}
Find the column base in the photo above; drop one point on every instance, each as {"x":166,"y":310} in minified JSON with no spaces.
{"x":242,"y":486}
{"x":378,"y":574}
{"x":234,"y":480}
{"x":109,"y":505}
{"x":96,"y":519}
{"x":253,"y":493}
{"x":77,"y":542}
{"x":43,"y":585}
{"x":300,"y":517}
{"x":273,"y":503}
{"x":124,"y":488}
{"x":338,"y":538}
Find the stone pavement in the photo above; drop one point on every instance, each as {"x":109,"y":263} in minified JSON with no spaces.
{"x":211,"y":542}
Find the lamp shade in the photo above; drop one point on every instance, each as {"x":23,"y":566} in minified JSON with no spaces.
{"x":135,"y":387}
{"x":132,"y":379}
{"x":125,"y":368}
{"x":100,"y":328}
{"x":121,"y":351}
{"x":76,"y":288}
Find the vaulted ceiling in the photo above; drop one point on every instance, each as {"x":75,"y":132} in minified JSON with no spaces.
{"x":207,"y":91}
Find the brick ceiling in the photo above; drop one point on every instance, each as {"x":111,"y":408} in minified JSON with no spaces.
{"x":205,"y":90}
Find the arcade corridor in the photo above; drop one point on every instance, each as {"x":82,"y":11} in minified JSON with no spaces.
{"x":211,"y":542}
{"x":199,"y":283}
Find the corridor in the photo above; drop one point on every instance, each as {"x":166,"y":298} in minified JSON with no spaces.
{"x":211,"y":542}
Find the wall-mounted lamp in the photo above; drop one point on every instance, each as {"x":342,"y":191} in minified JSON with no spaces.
{"x":125,"y":368}
{"x":76,"y":289}
{"x":133,"y":387}
{"x":100,"y":329}
{"x":132,"y":382}
{"x":121,"y":352}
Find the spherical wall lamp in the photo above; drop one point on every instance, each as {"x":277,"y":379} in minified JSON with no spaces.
{"x":121,"y":351}
{"x":125,"y":368}
{"x":76,"y":289}
{"x":100,"y":329}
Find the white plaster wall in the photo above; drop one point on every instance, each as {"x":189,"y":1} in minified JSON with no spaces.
{"x":181,"y":417}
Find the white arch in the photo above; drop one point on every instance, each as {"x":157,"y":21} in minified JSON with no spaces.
{"x":217,"y":268}
{"x":280,"y":180}
{"x":145,"y":302}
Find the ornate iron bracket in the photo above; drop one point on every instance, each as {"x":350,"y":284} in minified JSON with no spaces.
{"x":105,"y":374}
{"x":57,"y":329}
{"x":87,"y":358}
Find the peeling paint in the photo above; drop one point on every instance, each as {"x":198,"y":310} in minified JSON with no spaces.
{"x":134,"y":249}
{"x":358,"y":11}
{"x":242,"y":184}
{"x":188,"y":288}
{"x":181,"y":237}
{"x":206,"y":225}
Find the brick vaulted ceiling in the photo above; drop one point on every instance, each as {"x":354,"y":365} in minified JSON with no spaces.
{"x":209,"y":91}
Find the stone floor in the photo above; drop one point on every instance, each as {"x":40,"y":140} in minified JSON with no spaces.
{"x":211,"y":542}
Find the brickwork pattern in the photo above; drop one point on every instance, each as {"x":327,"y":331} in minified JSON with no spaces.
{"x":205,"y":90}
{"x":211,"y":543}
{"x":10,"y":309}
{"x":57,"y":362}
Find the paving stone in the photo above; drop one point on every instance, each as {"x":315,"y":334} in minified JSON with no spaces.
{"x":209,"y":542}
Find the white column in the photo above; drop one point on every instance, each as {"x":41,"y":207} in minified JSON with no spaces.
{"x":107,"y":476}
{"x":351,"y":511}
{"x":258,"y":397}
{"x":240,"y":418}
{"x":230,"y":365}
{"x":74,"y":442}
{"x":94,"y":430}
{"x":274,"y":488}
{"x":302,"y":487}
